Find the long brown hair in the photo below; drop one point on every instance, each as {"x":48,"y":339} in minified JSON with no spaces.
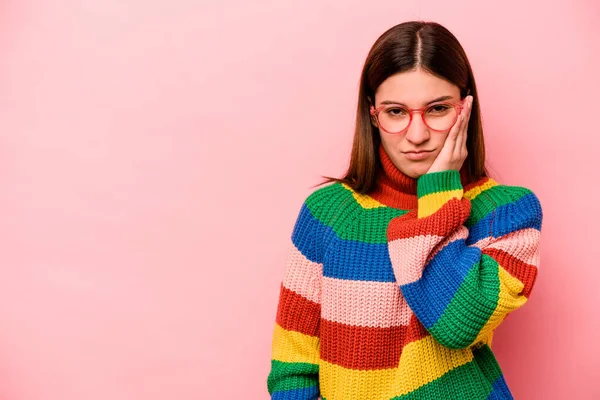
{"x":404,"y":47}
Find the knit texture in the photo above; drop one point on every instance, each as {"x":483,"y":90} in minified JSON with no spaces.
{"x":396,"y":294}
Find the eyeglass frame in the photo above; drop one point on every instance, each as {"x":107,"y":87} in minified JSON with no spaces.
{"x":457,"y":106}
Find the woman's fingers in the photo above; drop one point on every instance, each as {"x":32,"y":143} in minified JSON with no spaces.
{"x":465,"y":128}
{"x":453,"y":152}
{"x":454,"y":134}
{"x":450,"y":144}
{"x":457,"y":134}
{"x":466,"y":125}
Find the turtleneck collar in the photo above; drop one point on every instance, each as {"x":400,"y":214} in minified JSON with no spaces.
{"x":394,"y":188}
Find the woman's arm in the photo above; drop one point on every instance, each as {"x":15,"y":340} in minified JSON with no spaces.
{"x":460,"y":281}
{"x":294,"y":370}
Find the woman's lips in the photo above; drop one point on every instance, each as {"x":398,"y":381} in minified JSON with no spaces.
{"x":411,"y":155}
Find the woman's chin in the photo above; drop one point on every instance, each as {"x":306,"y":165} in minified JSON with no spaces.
{"x":417,"y":170}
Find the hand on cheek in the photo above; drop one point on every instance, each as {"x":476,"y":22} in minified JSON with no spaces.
{"x":454,"y":152}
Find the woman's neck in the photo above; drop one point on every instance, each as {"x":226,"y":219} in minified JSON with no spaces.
{"x":393,"y":187}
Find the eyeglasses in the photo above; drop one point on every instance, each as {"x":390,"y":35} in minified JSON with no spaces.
{"x":395,"y":119}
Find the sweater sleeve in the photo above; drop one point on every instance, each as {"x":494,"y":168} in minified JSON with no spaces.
{"x":462,"y":282}
{"x":294,"y":370}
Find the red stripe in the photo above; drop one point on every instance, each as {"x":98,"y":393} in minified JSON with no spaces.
{"x":479,"y":182}
{"x":297,"y":313}
{"x":386,"y":194}
{"x":524,"y":272}
{"x":442,"y":223}
{"x":367,"y":348}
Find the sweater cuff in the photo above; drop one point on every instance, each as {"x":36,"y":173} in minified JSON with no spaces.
{"x":435,"y":189}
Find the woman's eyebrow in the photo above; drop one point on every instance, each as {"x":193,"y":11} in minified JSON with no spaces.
{"x":441,"y":98}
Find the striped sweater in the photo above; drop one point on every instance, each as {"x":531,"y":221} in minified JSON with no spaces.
{"x":396,"y":294}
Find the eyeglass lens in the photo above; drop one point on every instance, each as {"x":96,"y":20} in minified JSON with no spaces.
{"x":395,"y":118}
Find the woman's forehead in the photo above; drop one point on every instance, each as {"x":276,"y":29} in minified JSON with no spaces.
{"x":415,"y":88}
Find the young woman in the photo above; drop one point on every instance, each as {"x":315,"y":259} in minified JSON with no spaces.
{"x":399,"y":272}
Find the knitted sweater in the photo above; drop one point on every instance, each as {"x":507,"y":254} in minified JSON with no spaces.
{"x":395,"y":294}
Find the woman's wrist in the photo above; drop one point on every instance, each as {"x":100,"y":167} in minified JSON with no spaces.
{"x":434,"y":189}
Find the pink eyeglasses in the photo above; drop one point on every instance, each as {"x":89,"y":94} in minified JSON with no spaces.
{"x":395,"y":118}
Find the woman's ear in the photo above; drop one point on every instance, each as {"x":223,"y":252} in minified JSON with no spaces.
{"x":373,"y":119}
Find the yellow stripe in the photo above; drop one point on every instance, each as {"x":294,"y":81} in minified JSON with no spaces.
{"x":364,"y":200}
{"x":508,"y":301}
{"x":291,"y":346}
{"x":432,"y":202}
{"x":476,"y":191}
{"x":488,"y":340}
{"x":385,"y":384}
{"x":367,"y":201}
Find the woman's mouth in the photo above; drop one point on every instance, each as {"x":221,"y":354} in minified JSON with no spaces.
{"x":417,"y":155}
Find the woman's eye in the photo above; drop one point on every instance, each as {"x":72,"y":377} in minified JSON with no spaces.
{"x":438,"y":109}
{"x":396,"y":112}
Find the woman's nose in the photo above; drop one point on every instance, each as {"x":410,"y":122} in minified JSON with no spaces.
{"x":417,"y":132}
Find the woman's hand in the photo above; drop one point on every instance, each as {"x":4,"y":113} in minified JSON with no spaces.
{"x":454,"y":152}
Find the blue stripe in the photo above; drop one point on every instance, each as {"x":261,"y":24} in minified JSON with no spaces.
{"x":500,"y":390}
{"x":350,"y":259}
{"x":429,"y":296}
{"x":523,"y":213}
{"x":308,"y":235}
{"x":345,"y":259}
{"x":308,"y":393}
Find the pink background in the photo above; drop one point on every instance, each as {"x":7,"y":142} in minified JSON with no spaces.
{"x":154,"y":156}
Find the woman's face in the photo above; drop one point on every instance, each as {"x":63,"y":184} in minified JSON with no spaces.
{"x":415,"y":89}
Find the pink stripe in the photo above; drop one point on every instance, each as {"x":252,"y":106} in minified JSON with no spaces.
{"x":409,"y":256}
{"x":364,"y":303}
{"x":519,"y":244}
{"x":303,"y":276}
{"x":459,"y":234}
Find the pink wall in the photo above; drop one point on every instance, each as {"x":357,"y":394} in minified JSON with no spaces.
{"x":154,"y":155}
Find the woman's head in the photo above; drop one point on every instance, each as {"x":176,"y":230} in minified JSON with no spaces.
{"x":413,"y":64}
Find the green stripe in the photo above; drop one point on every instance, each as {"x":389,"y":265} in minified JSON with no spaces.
{"x":488,"y":200}
{"x":487,"y":362}
{"x":335,"y":206}
{"x":287,"y":376}
{"x":462,"y":321}
{"x":464,"y":382}
{"x":435,"y":182}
